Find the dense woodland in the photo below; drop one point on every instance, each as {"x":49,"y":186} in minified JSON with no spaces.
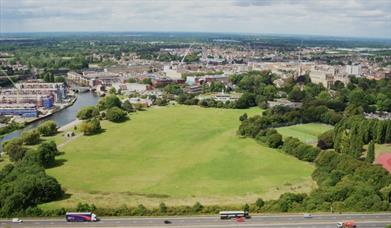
{"x":347,"y":178}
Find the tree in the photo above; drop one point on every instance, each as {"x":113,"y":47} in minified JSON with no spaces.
{"x":246,"y":207}
{"x":14,"y":148}
{"x":243,"y":117}
{"x":59,"y":79}
{"x":31,"y":137}
{"x":116,"y":114}
{"x":162,"y":208}
{"x":90,"y":127}
{"x":112,"y":90}
{"x":173,"y":89}
{"x":296,"y":94}
{"x":48,"y":128}
{"x":87,"y":112}
{"x":274,"y":140}
{"x":109,"y":102}
{"x":147,"y":81}
{"x":47,"y":152}
{"x":161,"y":102}
{"x":383,"y":102}
{"x":352,"y":110}
{"x":358,"y":98}
{"x":371,"y":152}
{"x":246,"y":100}
{"x":141,"y":210}
{"x":127,"y":106}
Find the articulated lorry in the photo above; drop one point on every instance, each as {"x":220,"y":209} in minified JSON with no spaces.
{"x":80,"y":217}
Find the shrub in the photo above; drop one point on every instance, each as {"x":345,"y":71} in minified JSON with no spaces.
{"x":31,"y":137}
{"x":300,"y":150}
{"x":326,"y":140}
{"x":260,"y":203}
{"x":162,"y":208}
{"x":81,"y":207}
{"x":87,"y":113}
{"x":116,"y":114}
{"x":48,"y":128}
{"x":127,"y":106}
{"x":90,"y":127}
{"x":109,"y":102}
{"x":274,"y":140}
{"x":197,"y":207}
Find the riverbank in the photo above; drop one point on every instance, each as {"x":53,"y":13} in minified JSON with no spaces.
{"x":62,"y":116}
{"x":61,"y":108}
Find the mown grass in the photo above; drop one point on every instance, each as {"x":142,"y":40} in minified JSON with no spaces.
{"x":307,"y":133}
{"x":179,"y":155}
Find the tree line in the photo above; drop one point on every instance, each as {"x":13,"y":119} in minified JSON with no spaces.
{"x":24,"y":184}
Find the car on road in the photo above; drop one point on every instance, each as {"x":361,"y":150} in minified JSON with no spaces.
{"x":17,"y":220}
{"x":240,"y":219}
{"x":346,"y":224}
{"x":167,"y":222}
{"x":307,"y":215}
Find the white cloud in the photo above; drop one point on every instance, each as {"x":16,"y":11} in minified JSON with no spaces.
{"x":331,"y":17}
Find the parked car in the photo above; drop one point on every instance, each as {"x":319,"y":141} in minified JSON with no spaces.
{"x":307,"y":216}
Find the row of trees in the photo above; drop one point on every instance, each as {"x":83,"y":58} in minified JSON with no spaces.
{"x":273,"y":139}
{"x":109,"y":107}
{"x":351,"y":134}
{"x":283,"y":116}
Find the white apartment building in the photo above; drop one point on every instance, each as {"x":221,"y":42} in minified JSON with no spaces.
{"x":354,"y":69}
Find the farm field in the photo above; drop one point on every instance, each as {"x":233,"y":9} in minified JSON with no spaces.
{"x":177,"y":155}
{"x":307,"y":133}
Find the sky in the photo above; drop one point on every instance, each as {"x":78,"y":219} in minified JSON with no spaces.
{"x":347,"y":18}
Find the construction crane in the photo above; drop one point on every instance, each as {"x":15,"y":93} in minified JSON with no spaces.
{"x":299,"y":61}
{"x":186,"y":53}
{"x":13,"y":83}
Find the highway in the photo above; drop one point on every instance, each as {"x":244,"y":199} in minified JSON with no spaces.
{"x":288,"y":221}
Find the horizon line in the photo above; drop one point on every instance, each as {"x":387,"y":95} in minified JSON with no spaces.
{"x":205,"y":32}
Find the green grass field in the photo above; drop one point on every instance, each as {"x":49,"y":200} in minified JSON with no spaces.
{"x":178,"y":155}
{"x":307,"y":133}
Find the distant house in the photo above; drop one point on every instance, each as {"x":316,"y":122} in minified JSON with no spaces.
{"x":378,"y":115}
{"x":142,"y":101}
{"x":130,"y":88}
{"x":284,"y":102}
{"x":194,"y":89}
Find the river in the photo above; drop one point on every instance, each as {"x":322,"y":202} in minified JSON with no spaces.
{"x":62,"y":117}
